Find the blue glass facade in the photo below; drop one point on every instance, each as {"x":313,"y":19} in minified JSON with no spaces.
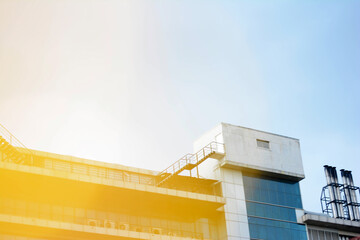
{"x":270,"y":205}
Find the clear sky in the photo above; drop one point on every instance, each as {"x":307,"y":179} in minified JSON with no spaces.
{"x":136,"y":82}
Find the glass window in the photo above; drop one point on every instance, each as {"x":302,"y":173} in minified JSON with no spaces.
{"x":275,"y":230}
{"x":271,"y":204}
{"x":274,"y":191}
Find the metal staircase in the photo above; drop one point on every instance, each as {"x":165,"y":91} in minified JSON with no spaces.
{"x":12,"y":150}
{"x":190,"y":161}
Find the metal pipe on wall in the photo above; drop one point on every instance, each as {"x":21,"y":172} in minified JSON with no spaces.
{"x":330,"y":181}
{"x":347,"y":192}
{"x":338,"y":194}
{"x":353,"y":197}
{"x":334,"y":191}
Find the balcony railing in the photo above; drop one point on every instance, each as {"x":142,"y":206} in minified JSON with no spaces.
{"x":100,"y":219}
{"x":191,"y":160}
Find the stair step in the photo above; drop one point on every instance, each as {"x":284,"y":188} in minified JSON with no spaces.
{"x":11,"y":152}
{"x":190,"y":166}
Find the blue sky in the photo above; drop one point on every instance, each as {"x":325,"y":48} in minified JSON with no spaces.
{"x":136,"y":82}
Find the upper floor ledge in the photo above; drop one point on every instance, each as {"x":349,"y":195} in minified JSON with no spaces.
{"x":42,"y":226}
{"x":262,"y":169}
{"x":112,"y":183}
{"x":322,"y":220}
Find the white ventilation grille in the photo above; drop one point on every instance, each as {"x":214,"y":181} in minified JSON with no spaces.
{"x":263,"y":143}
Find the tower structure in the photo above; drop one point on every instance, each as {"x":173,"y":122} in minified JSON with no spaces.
{"x":260,"y":177}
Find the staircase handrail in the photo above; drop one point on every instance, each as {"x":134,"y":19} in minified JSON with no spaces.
{"x":193,"y":158}
{"x":10,"y":138}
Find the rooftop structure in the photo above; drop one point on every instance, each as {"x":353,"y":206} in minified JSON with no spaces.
{"x":340,"y":217}
{"x":239,"y":183}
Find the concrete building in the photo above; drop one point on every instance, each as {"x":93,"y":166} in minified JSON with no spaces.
{"x":259,"y":177}
{"x":323,"y":227}
{"x":239,"y":183}
{"x":340,"y":207}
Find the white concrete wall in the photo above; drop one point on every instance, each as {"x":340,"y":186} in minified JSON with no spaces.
{"x":235,"y":207}
{"x":283,"y":157}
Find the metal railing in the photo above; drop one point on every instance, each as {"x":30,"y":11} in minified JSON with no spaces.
{"x":92,"y":170}
{"x":12,"y":149}
{"x":189,"y":161}
{"x":99,"y":219}
{"x":12,"y":140}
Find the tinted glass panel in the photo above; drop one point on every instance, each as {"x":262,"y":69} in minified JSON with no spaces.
{"x":271,"y":207}
{"x":277,"y":192}
{"x":269,"y":211}
{"x":275,"y":230}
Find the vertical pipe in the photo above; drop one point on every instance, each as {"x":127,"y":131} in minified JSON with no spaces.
{"x":329,"y":181}
{"x":353,"y":196}
{"x":347,"y":193}
{"x":337,"y":194}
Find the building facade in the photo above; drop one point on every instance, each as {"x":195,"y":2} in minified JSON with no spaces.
{"x":259,"y":177}
{"x":239,"y":183}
